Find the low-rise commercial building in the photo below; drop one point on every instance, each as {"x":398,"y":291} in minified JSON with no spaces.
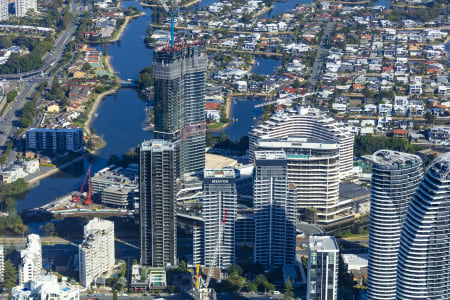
{"x":116,"y":187}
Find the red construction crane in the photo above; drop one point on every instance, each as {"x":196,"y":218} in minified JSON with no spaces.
{"x":76,"y":197}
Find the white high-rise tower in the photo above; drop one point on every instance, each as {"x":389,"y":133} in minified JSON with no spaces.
{"x":395,"y":177}
{"x":424,"y":251}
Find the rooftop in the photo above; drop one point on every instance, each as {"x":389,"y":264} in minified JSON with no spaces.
{"x":440,"y":166}
{"x":352,"y":190}
{"x":219,"y":173}
{"x":157,"y":146}
{"x":395,"y":159}
{"x":323,"y":244}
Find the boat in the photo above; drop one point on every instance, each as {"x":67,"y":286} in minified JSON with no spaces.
{"x":254,"y":117}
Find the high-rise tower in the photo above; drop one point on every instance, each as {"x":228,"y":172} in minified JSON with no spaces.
{"x":96,"y":252}
{"x":274,"y":210}
{"x":424,"y":251}
{"x":179,"y":85}
{"x":395,"y":177}
{"x":4,"y":10}
{"x":323,"y":253}
{"x":23,"y":7}
{"x":219,"y":200}
{"x":313,"y":168}
{"x":158,"y":186}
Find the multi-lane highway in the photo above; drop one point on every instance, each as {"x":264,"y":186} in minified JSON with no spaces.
{"x":54,"y":56}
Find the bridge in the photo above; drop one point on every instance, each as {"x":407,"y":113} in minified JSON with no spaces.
{"x":128,"y":83}
{"x":266,"y":103}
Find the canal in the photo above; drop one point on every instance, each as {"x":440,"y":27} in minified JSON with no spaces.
{"x":121,"y":115}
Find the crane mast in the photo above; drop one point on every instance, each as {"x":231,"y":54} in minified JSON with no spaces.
{"x":202,"y":292}
{"x":172,"y":18}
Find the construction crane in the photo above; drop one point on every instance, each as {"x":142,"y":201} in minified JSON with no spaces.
{"x":76,"y":197}
{"x":172,"y":13}
{"x":201,"y":290}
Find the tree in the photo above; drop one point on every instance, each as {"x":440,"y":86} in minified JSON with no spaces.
{"x":143,"y":271}
{"x":11,"y":96}
{"x":288,"y":294}
{"x":182,"y":266}
{"x":252,"y":287}
{"x":10,"y":205}
{"x":123,"y":272}
{"x":9,"y":276}
{"x":145,"y":78}
{"x":86,"y":67}
{"x":5,"y":42}
{"x":114,"y":295}
{"x":235,"y":269}
{"x":48,"y":229}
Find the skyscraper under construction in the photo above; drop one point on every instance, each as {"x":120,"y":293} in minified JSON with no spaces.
{"x":179,"y":85}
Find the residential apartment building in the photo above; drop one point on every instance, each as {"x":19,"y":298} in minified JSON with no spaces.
{"x":179,"y":85}
{"x":395,"y":177}
{"x":57,"y":140}
{"x":23,"y":7}
{"x":323,"y":253}
{"x":158,"y":189}
{"x":313,"y":168}
{"x":4,"y":10}
{"x":46,"y":287}
{"x":96,"y":252}
{"x":423,"y":255}
{"x":274,"y":210}
{"x":31,"y":259}
{"x":310,"y":123}
{"x":219,"y":211}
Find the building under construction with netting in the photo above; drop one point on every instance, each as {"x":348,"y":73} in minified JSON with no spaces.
{"x":179,"y":85}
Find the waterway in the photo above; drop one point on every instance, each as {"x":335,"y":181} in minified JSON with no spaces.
{"x":121,"y":115}
{"x":120,"y":120}
{"x":384,"y":3}
{"x":283,"y":6}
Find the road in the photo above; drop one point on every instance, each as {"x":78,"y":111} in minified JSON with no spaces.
{"x":55,"y":55}
{"x":310,"y":229}
{"x":109,"y":297}
{"x":321,"y":53}
{"x":9,"y":122}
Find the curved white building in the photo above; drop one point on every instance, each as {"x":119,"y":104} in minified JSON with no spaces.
{"x":424,"y":251}
{"x":313,"y":167}
{"x":310,"y":123}
{"x":395,"y":177}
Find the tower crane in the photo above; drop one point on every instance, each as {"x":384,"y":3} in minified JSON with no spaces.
{"x":201,"y":290}
{"x":172,"y":13}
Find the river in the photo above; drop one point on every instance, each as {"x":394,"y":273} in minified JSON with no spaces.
{"x":121,"y":115}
